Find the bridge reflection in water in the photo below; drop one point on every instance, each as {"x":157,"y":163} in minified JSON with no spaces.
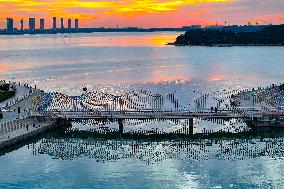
{"x":149,"y":151}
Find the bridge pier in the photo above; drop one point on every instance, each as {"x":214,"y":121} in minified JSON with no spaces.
{"x":190,"y":127}
{"x":120,"y":126}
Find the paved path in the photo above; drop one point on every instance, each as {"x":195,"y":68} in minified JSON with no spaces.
{"x":23,"y":99}
{"x":21,"y":91}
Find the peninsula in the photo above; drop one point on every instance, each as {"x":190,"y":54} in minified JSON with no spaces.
{"x":269,"y":36}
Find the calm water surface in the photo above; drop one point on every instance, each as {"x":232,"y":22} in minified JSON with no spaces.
{"x":118,"y":62}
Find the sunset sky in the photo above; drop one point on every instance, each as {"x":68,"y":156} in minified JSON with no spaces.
{"x":145,"y":13}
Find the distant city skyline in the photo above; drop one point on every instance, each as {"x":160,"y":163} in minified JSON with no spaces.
{"x":34,"y":24}
{"x":143,"y":13}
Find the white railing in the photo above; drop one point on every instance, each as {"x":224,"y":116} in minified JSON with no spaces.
{"x":11,"y":126}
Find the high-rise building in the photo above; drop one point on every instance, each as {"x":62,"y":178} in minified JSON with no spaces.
{"x":32,"y":24}
{"x":22,"y":24}
{"x":41,"y":24}
{"x":76,"y":24}
{"x":69,"y":24}
{"x":10,"y":25}
{"x":54,"y":23}
{"x":62,"y":23}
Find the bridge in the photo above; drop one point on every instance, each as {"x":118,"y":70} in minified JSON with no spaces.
{"x":145,"y":105}
{"x":231,"y":110}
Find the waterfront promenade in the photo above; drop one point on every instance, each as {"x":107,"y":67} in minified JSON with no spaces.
{"x":18,"y":122}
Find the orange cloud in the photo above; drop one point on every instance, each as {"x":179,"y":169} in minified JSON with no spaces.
{"x":128,"y":6}
{"x":156,"y":6}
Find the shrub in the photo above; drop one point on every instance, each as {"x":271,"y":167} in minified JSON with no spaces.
{"x":4,"y":87}
{"x":6,"y":95}
{"x":281,"y":87}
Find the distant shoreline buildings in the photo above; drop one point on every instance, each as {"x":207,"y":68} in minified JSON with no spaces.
{"x":33,"y":29}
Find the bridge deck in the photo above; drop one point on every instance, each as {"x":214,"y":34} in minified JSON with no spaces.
{"x":155,"y":115}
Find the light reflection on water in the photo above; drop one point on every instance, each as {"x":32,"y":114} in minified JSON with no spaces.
{"x":121,"y":62}
{"x":49,"y":62}
{"x":59,"y":41}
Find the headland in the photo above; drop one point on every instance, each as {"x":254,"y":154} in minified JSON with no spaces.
{"x":269,"y":36}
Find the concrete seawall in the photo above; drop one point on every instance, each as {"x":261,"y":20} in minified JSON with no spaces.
{"x":22,"y":134}
{"x":11,"y":138}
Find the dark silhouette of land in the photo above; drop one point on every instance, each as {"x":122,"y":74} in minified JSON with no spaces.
{"x":269,"y":36}
{"x":234,"y":28}
{"x":88,"y":30}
